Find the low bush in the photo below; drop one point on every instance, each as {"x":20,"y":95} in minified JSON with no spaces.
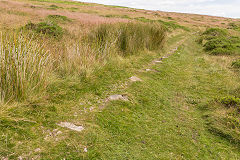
{"x":217,"y":41}
{"x":23,"y":67}
{"x":211,"y":33}
{"x":236,"y":64}
{"x":234,"y":26}
{"x":58,"y":18}
{"x":230,"y":101}
{"x":47,"y":28}
{"x":222,"y":51}
{"x":54,"y":7}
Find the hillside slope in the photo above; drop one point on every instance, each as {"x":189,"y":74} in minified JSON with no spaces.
{"x":89,"y":81}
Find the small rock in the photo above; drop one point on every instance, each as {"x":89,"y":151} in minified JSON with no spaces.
{"x":37,"y":150}
{"x":117,"y":97}
{"x":157,"y":61}
{"x":91,"y":108}
{"x":135,"y":79}
{"x":151,"y":70}
{"x":71,"y":126}
{"x":59,"y":132}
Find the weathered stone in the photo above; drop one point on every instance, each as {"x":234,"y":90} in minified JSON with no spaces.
{"x":71,"y":126}
{"x":158,"y":61}
{"x":37,"y":150}
{"x":117,"y":97}
{"x":135,"y":79}
{"x":151,"y":70}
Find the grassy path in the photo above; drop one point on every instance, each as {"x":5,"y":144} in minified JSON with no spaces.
{"x":163,"y":119}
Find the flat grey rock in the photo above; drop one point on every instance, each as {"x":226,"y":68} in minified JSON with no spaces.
{"x":71,"y":126}
{"x":117,"y":97}
{"x":135,"y":79}
{"x":151,"y":70}
{"x":157,"y":61}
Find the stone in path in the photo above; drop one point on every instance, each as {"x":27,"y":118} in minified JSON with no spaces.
{"x":135,"y":79}
{"x":157,"y":61}
{"x":71,"y":126}
{"x":151,"y":70}
{"x":117,"y":97}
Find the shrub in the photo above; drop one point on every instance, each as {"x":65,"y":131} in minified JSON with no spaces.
{"x":23,"y":67}
{"x":222,"y":51}
{"x":46,"y":28}
{"x":230,"y":101}
{"x":214,"y":32}
{"x":58,"y":18}
{"x":53,"y":7}
{"x":218,"y":43}
{"x":234,"y":26}
{"x":236,"y":64}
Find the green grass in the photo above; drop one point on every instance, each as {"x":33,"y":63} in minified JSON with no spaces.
{"x":185,"y":108}
{"x":166,"y":117}
{"x":31,"y":122}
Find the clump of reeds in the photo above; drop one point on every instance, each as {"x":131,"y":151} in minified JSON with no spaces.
{"x":128,"y":38}
{"x":23,"y":67}
{"x":108,"y":41}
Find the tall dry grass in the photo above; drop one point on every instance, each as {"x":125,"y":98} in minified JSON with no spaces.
{"x":25,"y":64}
{"x":129,"y":38}
{"x":23,"y":67}
{"x":108,"y":41}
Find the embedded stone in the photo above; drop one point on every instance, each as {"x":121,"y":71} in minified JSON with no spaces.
{"x":135,"y":79}
{"x":71,"y":126}
{"x":157,"y":61}
{"x":117,"y":97}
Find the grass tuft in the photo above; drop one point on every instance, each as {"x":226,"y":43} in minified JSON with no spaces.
{"x":236,"y":64}
{"x":129,"y":38}
{"x":23,"y":67}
